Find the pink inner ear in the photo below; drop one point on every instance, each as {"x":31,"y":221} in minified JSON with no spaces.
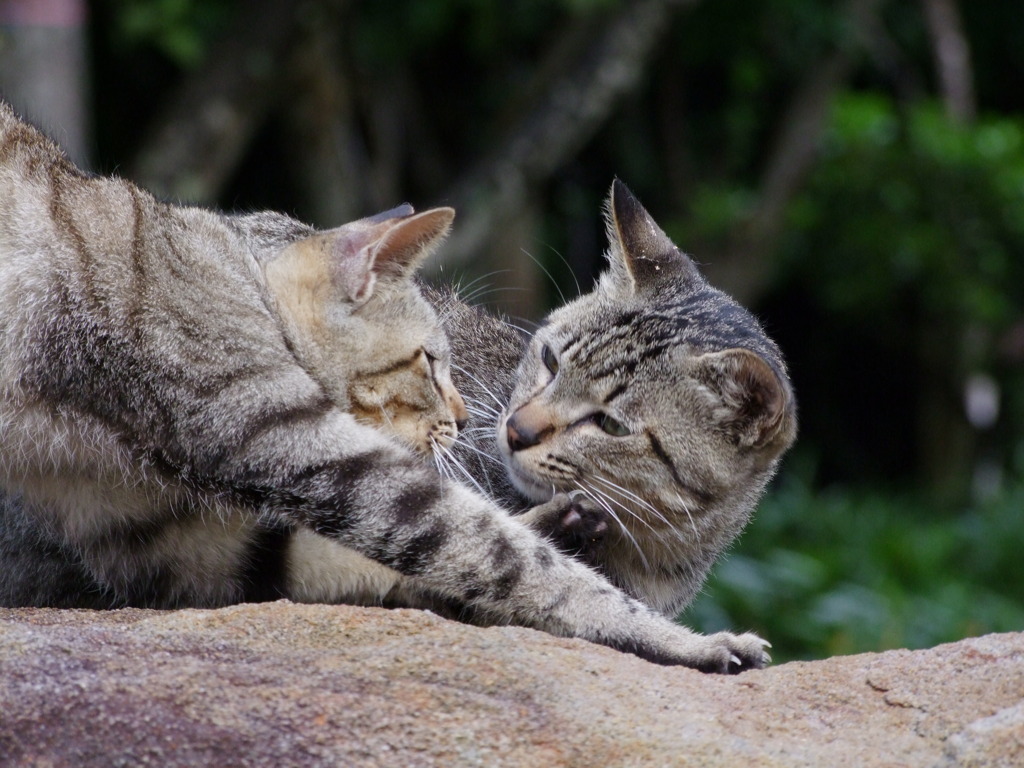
{"x":764,"y":401}
{"x":410,"y":240}
{"x":364,"y":251}
{"x":351,"y":255}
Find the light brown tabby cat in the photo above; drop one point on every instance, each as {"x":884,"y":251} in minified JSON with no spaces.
{"x":178,"y":401}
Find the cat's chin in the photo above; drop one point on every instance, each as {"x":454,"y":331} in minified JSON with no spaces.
{"x":526,"y":485}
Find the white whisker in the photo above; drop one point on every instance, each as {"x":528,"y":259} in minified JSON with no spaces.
{"x":544,"y":269}
{"x":641,"y":502}
{"x":474,"y":298}
{"x":489,"y":412}
{"x":686,"y":509}
{"x":508,"y":322}
{"x":453,"y":463}
{"x":569,"y":268}
{"x":618,"y":503}
{"x":478,"y":431}
{"x":438,"y":454}
{"x":480,"y":384}
{"x":387,"y":418}
{"x":462,"y":290}
{"x":483,"y":454}
{"x":596,"y":497}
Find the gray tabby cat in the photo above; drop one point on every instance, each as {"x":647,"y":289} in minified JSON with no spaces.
{"x":654,"y":409}
{"x":178,"y":401}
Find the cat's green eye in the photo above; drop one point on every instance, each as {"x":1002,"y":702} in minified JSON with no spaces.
{"x":612,"y":426}
{"x":549,"y":359}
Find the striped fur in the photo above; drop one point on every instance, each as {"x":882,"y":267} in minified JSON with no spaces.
{"x":698,"y":392}
{"x":172,"y":412}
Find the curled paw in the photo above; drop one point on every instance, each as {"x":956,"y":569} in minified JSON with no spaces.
{"x":582,"y":521}
{"x":574,"y":523}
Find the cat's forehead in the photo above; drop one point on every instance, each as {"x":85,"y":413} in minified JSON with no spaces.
{"x":701,"y":320}
{"x":401,"y":314}
{"x":603,"y":322}
{"x":589,"y":313}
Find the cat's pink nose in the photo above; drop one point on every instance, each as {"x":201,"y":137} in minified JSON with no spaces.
{"x":459,"y":412}
{"x":517,"y":440}
{"x":524,"y":430}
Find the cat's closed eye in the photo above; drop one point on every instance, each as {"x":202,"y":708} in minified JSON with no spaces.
{"x":432,"y":361}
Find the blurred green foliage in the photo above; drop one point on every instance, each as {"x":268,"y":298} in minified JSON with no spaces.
{"x":180,"y":29}
{"x":835,"y":572}
{"x":908,"y":242}
{"x":907,"y":199}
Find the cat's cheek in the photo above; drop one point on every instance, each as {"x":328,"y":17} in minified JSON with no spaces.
{"x":520,"y":475}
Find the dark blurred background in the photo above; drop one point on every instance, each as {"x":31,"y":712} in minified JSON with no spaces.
{"x":852,"y":171}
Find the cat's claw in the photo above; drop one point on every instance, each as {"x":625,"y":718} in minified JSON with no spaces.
{"x":731,"y":654}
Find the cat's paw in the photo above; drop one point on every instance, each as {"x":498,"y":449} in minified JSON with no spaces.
{"x":722,"y":653}
{"x":730,"y":654}
{"x":574,"y":524}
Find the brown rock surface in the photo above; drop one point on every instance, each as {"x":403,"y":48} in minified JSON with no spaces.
{"x":282,"y":684}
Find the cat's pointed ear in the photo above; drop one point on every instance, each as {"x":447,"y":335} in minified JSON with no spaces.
{"x":410,"y":240}
{"x":388,"y":246}
{"x":641,"y":255}
{"x":757,"y":408}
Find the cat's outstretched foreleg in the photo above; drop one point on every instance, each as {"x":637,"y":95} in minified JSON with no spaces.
{"x":350,"y":483}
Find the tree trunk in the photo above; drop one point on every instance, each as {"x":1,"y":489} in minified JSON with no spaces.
{"x":325,"y":150}
{"x":43,"y":69}
{"x":948,"y":451}
{"x":952,"y":58}
{"x":581,"y":79}
{"x":203,"y":131}
{"x":745,"y":267}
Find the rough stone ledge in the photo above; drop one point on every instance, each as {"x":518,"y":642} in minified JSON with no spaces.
{"x":282,"y":684}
